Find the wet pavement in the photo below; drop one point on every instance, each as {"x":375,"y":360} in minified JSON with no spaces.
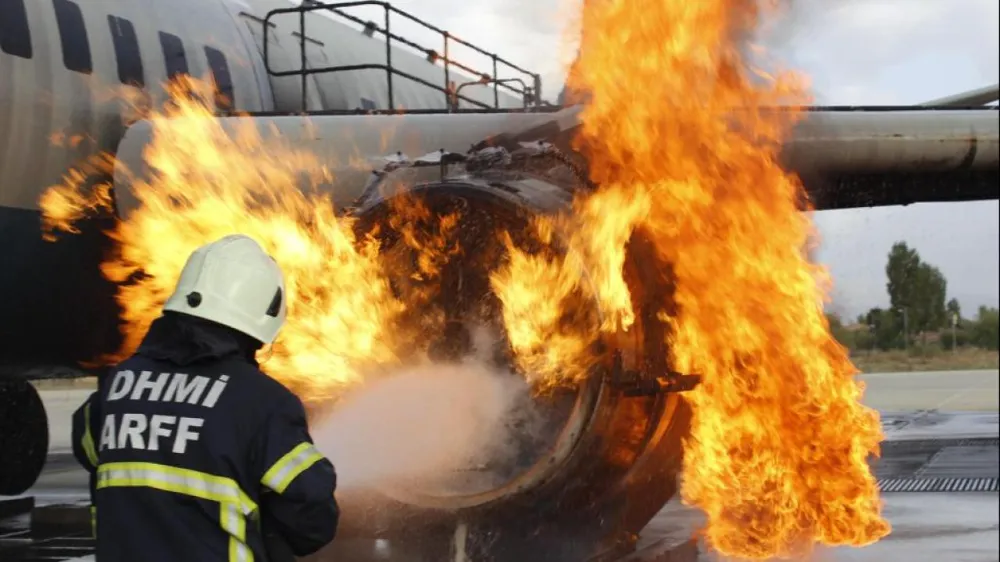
{"x":932,"y":424}
{"x":955,"y":455}
{"x":947,"y":527}
{"x":950,"y":452}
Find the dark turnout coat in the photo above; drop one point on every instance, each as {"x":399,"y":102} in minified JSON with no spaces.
{"x":196,"y":455}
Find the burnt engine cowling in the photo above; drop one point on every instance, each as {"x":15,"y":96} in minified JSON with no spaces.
{"x":609,"y":458}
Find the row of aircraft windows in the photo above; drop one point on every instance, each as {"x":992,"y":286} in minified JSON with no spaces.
{"x":15,"y":39}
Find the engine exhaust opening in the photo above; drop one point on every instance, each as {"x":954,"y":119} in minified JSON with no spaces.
{"x":440,"y":242}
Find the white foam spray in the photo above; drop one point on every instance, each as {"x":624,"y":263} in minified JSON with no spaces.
{"x":420,"y":425}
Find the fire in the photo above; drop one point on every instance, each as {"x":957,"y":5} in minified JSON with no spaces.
{"x":681,"y":147}
{"x":679,"y":140}
{"x":546,"y":295}
{"x":209,"y":183}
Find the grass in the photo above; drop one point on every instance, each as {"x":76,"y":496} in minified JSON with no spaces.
{"x":930,"y":359}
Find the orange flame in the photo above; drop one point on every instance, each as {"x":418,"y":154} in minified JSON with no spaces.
{"x":208,"y":183}
{"x":679,"y":143}
{"x":679,"y":140}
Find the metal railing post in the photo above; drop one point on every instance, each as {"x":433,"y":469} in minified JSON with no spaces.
{"x":302,"y":59}
{"x":388,"y":59}
{"x":496,"y":83}
{"x":447,"y":71}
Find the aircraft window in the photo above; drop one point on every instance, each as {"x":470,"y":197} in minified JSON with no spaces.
{"x":127,"y":52}
{"x":15,"y":35}
{"x":223,"y":80}
{"x":73,"y":34}
{"x":173,"y":55}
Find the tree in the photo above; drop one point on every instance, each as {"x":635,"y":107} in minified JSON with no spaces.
{"x":901,"y":272}
{"x":839,"y":332}
{"x":958,"y":337}
{"x":886,"y":327}
{"x":954,"y":309}
{"x":930,"y":288}
{"x":986,"y":330}
{"x":916,"y":289}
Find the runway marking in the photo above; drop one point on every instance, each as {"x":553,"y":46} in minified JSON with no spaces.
{"x":945,"y":402}
{"x":954,"y":395}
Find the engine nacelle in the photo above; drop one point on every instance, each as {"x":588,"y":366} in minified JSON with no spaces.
{"x":609,"y":458}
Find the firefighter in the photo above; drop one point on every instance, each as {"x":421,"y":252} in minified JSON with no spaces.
{"x":194,"y":453}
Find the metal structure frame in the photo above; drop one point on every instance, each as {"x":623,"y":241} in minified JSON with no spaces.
{"x":452,"y":96}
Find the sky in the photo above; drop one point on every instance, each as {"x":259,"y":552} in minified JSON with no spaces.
{"x":854,"y":52}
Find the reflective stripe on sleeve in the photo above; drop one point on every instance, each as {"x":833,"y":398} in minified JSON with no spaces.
{"x":93,"y":521}
{"x":288,"y":467}
{"x":88,"y":438}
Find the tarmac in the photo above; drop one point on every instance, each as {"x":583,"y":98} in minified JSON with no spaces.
{"x":946,"y":391}
{"x":938,"y":473}
{"x":940,"y":427}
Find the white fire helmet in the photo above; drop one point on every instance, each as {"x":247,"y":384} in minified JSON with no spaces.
{"x":233,"y":282}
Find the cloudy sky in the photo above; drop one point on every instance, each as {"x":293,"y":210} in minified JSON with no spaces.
{"x":854,"y":52}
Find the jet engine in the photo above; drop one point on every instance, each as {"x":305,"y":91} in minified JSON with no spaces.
{"x":609,"y":457}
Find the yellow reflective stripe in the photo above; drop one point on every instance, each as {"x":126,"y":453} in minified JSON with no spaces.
{"x":234,"y":503}
{"x":93,"y":521}
{"x":288,"y":467}
{"x":234,"y":523}
{"x":174,"y":479}
{"x":88,"y":438}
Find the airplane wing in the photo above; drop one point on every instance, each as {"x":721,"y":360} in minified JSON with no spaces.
{"x":971,"y":98}
{"x":846,"y":156}
{"x":868,"y":156}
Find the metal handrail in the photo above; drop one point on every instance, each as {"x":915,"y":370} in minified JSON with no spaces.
{"x":432,"y":55}
{"x":502,"y":81}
